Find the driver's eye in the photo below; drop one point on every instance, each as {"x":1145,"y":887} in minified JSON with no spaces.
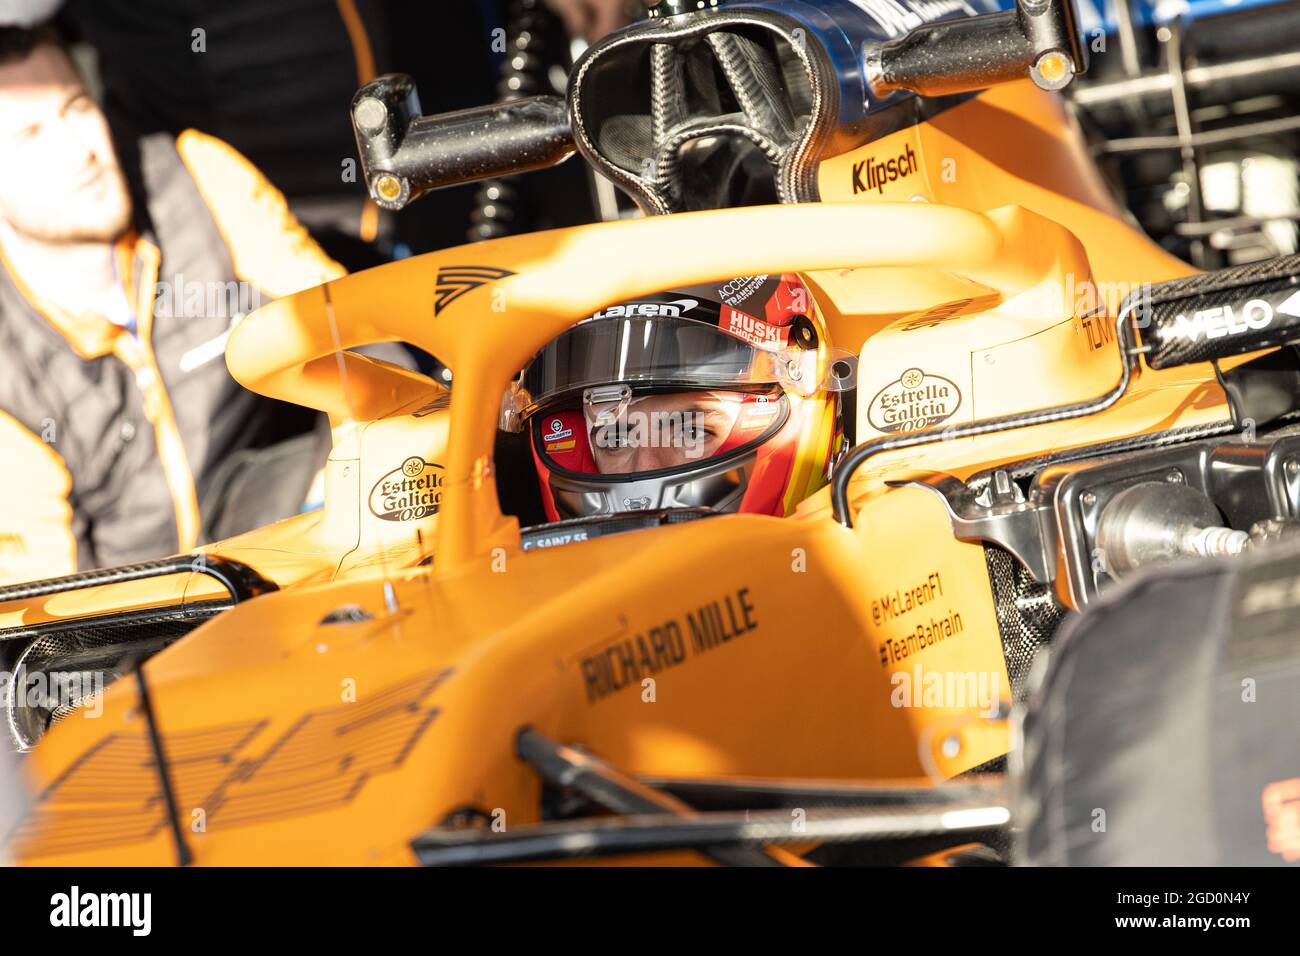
{"x":694,"y":431}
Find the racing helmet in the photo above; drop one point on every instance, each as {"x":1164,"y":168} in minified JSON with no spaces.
{"x":722,"y":396}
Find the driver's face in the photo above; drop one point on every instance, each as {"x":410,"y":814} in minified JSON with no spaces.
{"x":661,"y":431}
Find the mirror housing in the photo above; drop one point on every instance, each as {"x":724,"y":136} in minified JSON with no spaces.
{"x":404,"y":155}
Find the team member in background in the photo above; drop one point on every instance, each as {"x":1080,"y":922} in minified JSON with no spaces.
{"x":120,"y":277}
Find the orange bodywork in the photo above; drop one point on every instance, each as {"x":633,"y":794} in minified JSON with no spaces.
{"x":770,"y":644}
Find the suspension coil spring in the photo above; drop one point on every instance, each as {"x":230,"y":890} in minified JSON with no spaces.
{"x":522,"y":74}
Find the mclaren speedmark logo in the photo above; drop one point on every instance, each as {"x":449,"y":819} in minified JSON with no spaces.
{"x":648,"y":310}
{"x":455,"y":281}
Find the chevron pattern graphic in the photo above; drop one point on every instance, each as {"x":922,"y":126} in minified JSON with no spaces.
{"x":455,"y":281}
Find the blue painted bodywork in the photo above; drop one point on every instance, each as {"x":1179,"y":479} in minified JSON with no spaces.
{"x":845,"y":27}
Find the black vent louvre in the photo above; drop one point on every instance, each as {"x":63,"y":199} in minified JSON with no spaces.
{"x":93,"y":651}
{"x":1028,"y":615}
